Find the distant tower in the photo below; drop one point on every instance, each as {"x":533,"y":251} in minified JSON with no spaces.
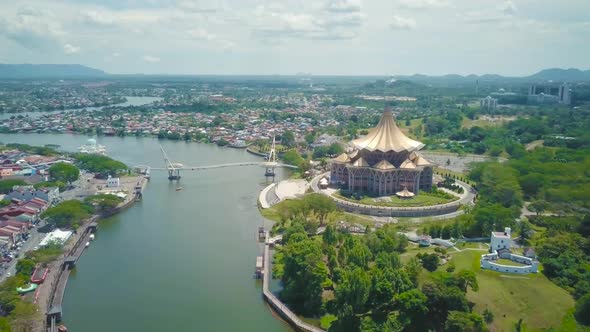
{"x":565,"y":96}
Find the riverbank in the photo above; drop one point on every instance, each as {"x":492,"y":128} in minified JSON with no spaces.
{"x":50,"y":298}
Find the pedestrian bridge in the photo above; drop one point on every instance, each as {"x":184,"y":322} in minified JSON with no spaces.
{"x":199,"y":168}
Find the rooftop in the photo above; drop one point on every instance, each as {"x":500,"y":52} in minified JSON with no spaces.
{"x":387,"y":137}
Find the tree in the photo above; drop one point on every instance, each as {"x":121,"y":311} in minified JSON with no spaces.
{"x":309,"y":138}
{"x":467,"y":279}
{"x":304,"y":273}
{"x":412,"y":307}
{"x":24,"y":316}
{"x":582,"y":311}
{"x":458,"y":321}
{"x":321,"y":204}
{"x":68,"y":213}
{"x":4,"y":325}
{"x":288,"y":138}
{"x":538,"y":206}
{"x":64,"y":172}
{"x":99,"y":164}
{"x":430,"y":261}
{"x":25,"y":267}
{"x":104,"y":202}
{"x":524,"y":229}
{"x":335,"y":149}
{"x":292,"y":157}
{"x":7,"y":185}
{"x":488,"y":316}
{"x":354,"y":289}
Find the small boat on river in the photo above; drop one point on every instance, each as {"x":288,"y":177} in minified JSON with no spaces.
{"x":178,"y":188}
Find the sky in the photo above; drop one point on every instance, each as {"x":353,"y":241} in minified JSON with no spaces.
{"x":319,"y":37}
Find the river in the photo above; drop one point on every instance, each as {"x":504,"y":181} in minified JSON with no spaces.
{"x":178,"y":260}
{"x":131,"y":101}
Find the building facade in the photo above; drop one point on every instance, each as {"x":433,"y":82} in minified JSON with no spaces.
{"x":550,"y":94}
{"x":488,"y":103}
{"x":501,"y":240}
{"x":383,"y":163}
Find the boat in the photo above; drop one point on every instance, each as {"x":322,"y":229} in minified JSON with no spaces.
{"x":39,"y":275}
{"x":178,"y":188}
{"x":91,"y":237}
{"x":87,"y":244}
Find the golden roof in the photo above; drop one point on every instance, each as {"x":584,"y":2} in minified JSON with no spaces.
{"x":361,"y":162}
{"x":387,"y":137}
{"x":384,"y":165}
{"x":342,"y":158}
{"x":421,"y":161}
{"x":407,"y":164}
{"x":404,"y":193}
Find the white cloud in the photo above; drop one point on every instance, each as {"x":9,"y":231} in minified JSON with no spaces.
{"x":32,"y":28}
{"x":151,"y":59}
{"x":336,"y":20}
{"x":402,"y":23}
{"x":422,"y":4}
{"x":99,"y":17}
{"x":344,"y":5}
{"x":200,"y":34}
{"x":71,"y":49}
{"x":116,"y":54}
{"x":195,"y":6}
{"x":508,"y":7}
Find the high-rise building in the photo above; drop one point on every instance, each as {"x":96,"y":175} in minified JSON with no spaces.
{"x":550,"y":94}
{"x":488,"y":103}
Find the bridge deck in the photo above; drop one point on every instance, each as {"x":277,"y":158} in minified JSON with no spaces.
{"x":253,"y":163}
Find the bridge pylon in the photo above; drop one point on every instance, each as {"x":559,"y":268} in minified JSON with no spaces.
{"x":272,"y":160}
{"x":172,"y":168}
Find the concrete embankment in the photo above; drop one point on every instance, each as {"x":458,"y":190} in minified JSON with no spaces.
{"x":51,"y":302}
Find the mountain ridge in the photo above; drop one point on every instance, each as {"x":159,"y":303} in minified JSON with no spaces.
{"x":16,"y":71}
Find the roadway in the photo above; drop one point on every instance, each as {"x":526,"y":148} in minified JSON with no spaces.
{"x":9,"y":269}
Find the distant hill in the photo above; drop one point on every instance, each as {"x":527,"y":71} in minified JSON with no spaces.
{"x":558,"y":74}
{"x":16,"y":71}
{"x":553,"y":74}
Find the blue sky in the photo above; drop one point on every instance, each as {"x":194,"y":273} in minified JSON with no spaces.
{"x":335,"y":37}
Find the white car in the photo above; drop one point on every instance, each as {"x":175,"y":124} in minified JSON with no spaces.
{"x":35,"y":248}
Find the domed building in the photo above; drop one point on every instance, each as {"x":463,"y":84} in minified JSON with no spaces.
{"x":383,"y":163}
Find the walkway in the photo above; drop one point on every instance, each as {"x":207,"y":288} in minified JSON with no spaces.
{"x":267,"y":196}
{"x":198,"y":168}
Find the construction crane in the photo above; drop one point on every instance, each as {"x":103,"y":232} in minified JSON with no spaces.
{"x":172,"y":168}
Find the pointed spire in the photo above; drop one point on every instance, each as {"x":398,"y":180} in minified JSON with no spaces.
{"x":386,"y":136}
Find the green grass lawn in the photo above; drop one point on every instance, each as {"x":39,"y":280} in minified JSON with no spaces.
{"x":532,"y":297}
{"x":413,"y":249}
{"x":508,"y":262}
{"x":422,"y":199}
